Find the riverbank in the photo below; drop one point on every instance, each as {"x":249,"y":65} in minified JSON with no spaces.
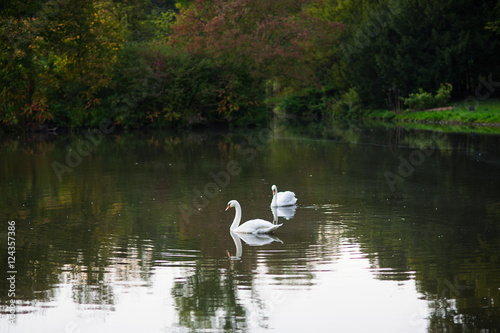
{"x":457,"y":118}
{"x":482,"y":113}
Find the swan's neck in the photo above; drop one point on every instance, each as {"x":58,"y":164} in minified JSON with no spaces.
{"x":275,"y":199}
{"x":237,"y":217}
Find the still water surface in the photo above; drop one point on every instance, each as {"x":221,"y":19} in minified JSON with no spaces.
{"x":395,"y":231}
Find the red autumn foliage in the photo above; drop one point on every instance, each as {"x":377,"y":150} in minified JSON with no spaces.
{"x":275,"y":39}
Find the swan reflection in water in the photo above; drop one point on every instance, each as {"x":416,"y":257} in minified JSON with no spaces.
{"x":286,"y":212}
{"x":250,"y":239}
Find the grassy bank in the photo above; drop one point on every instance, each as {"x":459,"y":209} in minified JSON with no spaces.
{"x":486,"y":113}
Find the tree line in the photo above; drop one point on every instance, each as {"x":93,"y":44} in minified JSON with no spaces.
{"x":165,"y":63}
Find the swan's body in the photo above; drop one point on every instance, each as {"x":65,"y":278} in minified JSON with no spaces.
{"x":281,"y":199}
{"x":256,"y":226}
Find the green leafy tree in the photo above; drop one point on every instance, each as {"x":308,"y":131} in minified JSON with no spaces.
{"x":80,"y":45}
{"x":17,"y":63}
{"x":394,"y":48}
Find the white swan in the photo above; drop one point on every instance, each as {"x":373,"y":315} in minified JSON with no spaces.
{"x":256,"y":226}
{"x":280,"y":199}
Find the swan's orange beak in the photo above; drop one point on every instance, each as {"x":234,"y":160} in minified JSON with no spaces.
{"x":228,"y":206}
{"x":274,"y":192}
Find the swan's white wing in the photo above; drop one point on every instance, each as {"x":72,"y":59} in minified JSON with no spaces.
{"x":268,"y":230}
{"x":286,"y":198}
{"x":257,"y":226}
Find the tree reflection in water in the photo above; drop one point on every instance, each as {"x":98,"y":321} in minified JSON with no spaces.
{"x":114,"y":221}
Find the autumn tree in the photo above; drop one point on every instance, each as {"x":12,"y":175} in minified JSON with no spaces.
{"x":55,"y":57}
{"x":272,"y":38}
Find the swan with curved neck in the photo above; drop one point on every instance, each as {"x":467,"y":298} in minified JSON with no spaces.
{"x":281,"y":199}
{"x":256,"y":226}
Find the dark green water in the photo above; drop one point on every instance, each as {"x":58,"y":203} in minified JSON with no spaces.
{"x":395,"y":231}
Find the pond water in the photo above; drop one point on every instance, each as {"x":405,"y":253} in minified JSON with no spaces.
{"x":395,"y":230}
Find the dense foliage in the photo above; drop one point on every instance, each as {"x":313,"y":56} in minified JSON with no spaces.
{"x":424,"y":100}
{"x":72,"y":63}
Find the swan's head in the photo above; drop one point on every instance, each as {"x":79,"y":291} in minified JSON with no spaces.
{"x":231,"y":204}
{"x":275,"y":189}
